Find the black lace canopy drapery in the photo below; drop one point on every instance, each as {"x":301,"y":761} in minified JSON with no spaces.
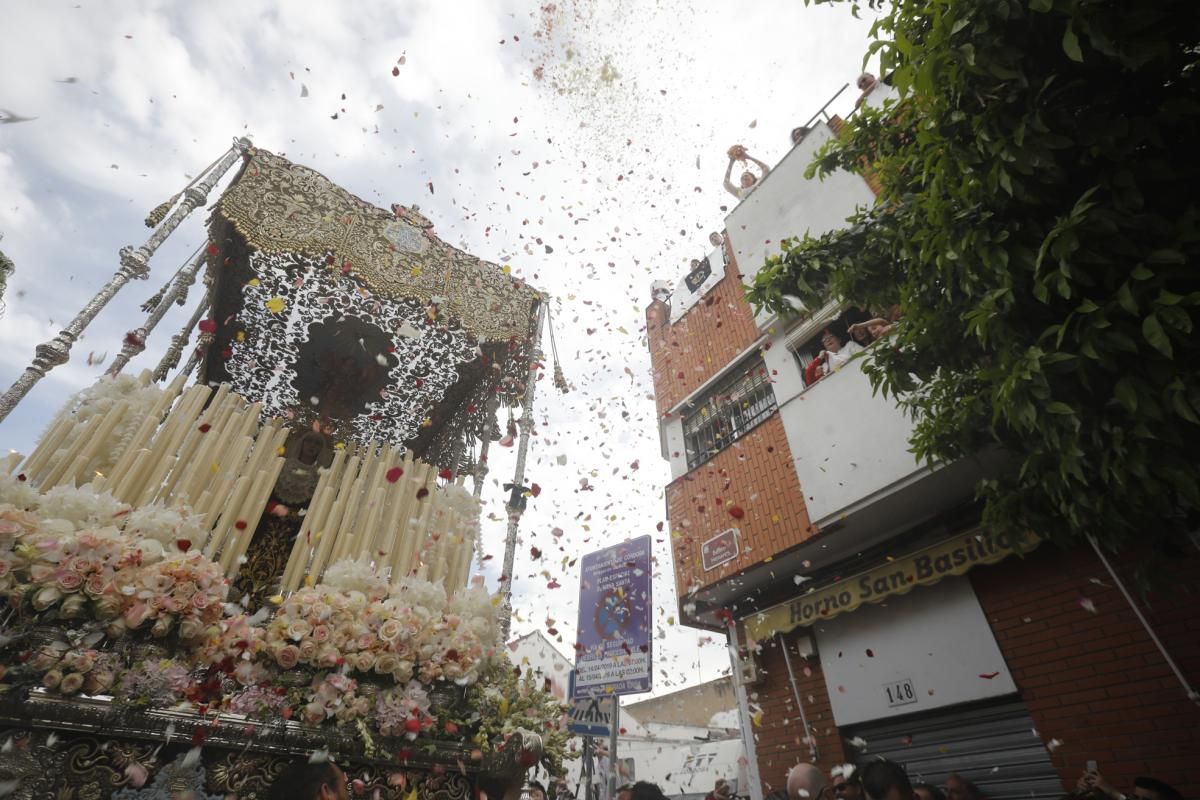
{"x":331,"y":311}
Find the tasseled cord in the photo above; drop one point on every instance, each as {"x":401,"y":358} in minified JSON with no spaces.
{"x":560,"y":380}
{"x":155,"y":217}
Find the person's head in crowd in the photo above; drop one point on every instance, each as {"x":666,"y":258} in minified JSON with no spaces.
{"x":831,"y":340}
{"x":625,"y":792}
{"x":805,"y":782}
{"x":959,"y":788}
{"x":927,"y":791}
{"x":748,"y":179}
{"x":536,"y":791}
{"x":644,"y":790}
{"x":847,"y":787}
{"x":1154,"y":789}
{"x":716,"y":239}
{"x":305,"y":781}
{"x":866,"y":82}
{"x":722,"y":789}
{"x":885,"y":780}
{"x":798,"y":133}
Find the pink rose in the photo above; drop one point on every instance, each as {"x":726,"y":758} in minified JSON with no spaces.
{"x":314,"y":713}
{"x":99,"y":681}
{"x":137,"y":774}
{"x":46,"y":597}
{"x":191,"y":628}
{"x":137,"y":614}
{"x":73,"y":607}
{"x":7,"y":526}
{"x":173,"y":604}
{"x":72,"y":682}
{"x":328,"y":657}
{"x":320,"y":634}
{"x":287,"y":656}
{"x":308,"y":650}
{"x":95,"y":584}
{"x":201,"y":600}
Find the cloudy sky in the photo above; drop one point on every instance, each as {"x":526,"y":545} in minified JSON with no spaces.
{"x":581,"y":142}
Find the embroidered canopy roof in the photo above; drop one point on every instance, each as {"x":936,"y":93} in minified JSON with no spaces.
{"x":329,"y":309}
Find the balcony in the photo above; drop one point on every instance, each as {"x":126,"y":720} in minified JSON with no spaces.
{"x":785,"y":204}
{"x":852,"y":458}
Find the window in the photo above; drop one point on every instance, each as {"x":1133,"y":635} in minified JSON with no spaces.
{"x":727,"y":411}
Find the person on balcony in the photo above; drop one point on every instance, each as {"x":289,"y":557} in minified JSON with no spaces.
{"x":748,"y":180}
{"x":838,"y":350}
{"x":872,"y":330}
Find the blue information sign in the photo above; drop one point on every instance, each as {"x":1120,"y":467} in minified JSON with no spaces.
{"x":614,"y":651}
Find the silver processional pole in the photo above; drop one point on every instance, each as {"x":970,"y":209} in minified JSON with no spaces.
{"x":135,"y":263}
{"x":514,"y":511}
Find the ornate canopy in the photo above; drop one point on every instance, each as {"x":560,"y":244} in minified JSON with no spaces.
{"x":329,"y":309}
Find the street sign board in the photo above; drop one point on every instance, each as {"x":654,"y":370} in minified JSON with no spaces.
{"x":614,"y":650}
{"x":720,"y":549}
{"x":590,"y":716}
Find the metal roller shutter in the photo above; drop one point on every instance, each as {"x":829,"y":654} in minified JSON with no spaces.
{"x":992,"y":745}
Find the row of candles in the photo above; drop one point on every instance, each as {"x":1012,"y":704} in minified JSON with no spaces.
{"x":198,"y":447}
{"x":207,"y":450}
{"x":373,"y":507}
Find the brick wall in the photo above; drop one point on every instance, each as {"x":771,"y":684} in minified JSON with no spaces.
{"x":779,"y":736}
{"x":701,"y":343}
{"x":1095,"y":681}
{"x":755,"y":474}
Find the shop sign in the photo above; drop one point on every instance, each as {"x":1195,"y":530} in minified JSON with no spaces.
{"x":720,"y":549}
{"x":923,"y":568}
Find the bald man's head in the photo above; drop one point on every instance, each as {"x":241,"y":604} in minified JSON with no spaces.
{"x":805,"y":782}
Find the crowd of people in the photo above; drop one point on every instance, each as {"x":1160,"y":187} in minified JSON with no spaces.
{"x":878,"y":780}
{"x":886,"y":780}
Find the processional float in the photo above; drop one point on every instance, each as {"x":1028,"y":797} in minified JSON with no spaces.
{"x":267,"y":557}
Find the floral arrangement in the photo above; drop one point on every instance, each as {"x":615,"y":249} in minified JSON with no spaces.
{"x":107,"y":600}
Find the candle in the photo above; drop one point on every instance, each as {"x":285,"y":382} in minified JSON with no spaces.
{"x":256,"y":504}
{"x":228,"y":516}
{"x":63,"y":462}
{"x":328,"y":533}
{"x":11,"y":461}
{"x":154,"y":418}
{"x":49,"y":444}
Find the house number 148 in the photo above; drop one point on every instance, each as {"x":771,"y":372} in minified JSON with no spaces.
{"x":900,"y":693}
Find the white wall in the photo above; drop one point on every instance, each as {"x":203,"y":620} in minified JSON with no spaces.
{"x":534,"y":651}
{"x":847,"y":443}
{"x":672,"y":430}
{"x":786,"y":204}
{"x":935,"y":636}
{"x":682,"y":300}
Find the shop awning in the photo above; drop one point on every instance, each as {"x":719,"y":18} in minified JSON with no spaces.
{"x":923,"y":567}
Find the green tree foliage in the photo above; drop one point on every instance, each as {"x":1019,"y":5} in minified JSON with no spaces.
{"x":1040,"y":228}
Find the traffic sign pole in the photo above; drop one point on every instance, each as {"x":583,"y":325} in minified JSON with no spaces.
{"x":612,"y":747}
